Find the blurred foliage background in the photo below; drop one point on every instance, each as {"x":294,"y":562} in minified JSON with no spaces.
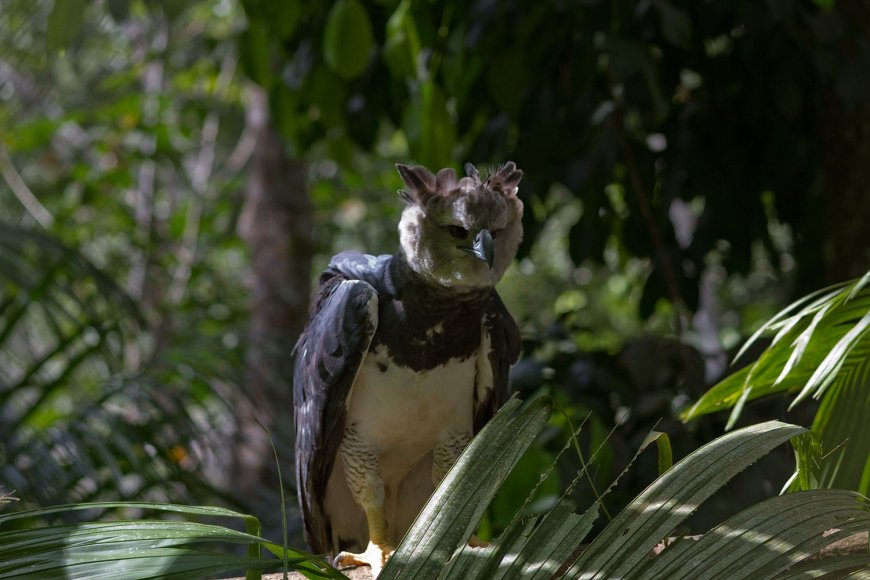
{"x":175,"y":174}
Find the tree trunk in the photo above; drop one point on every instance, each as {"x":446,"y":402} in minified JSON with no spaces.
{"x":276,"y":224}
{"x":846,"y":164}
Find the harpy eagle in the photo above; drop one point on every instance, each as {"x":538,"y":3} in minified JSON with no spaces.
{"x":404,"y":359}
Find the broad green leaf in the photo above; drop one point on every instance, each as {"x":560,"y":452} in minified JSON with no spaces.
{"x":455,"y":508}
{"x":766,"y":538}
{"x":348,"y":41}
{"x":840,"y":567}
{"x":758,"y":542}
{"x":665,"y":453}
{"x":402,"y":44}
{"x":555,"y":539}
{"x":472,"y":563}
{"x":815,"y":337}
{"x":829,"y":367}
{"x":64,"y":23}
{"x":783,"y":314}
{"x":212,"y":511}
{"x":140,"y":548}
{"x":674,"y":496}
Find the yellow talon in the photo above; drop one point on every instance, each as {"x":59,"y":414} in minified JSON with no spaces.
{"x":375,"y":556}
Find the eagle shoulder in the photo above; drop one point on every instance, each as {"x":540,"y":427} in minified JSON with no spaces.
{"x":328,"y":358}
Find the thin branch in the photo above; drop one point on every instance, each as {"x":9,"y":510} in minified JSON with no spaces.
{"x":26,"y":197}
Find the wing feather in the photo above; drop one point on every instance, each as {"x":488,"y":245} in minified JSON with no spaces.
{"x":504,"y":343}
{"x":328,"y":357}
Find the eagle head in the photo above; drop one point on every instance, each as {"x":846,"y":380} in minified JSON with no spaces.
{"x":460,"y":233}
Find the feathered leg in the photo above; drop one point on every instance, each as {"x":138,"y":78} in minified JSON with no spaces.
{"x":361,"y":470}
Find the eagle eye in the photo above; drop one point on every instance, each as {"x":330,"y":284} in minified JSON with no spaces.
{"x":457,"y":232}
{"x":495,"y":233}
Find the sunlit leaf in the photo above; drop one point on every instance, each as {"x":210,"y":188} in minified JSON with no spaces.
{"x":671,"y":498}
{"x":455,"y":508}
{"x":765,"y":539}
{"x":834,"y":360}
{"x":815,"y":336}
{"x":665,"y":453}
{"x":758,"y":542}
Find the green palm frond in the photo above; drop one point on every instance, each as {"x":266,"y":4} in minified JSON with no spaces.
{"x":760,"y":542}
{"x":143,"y":548}
{"x":77,"y":424}
{"x":820,"y":349}
{"x":836,"y":451}
{"x":772,"y":537}
{"x":61,"y":319}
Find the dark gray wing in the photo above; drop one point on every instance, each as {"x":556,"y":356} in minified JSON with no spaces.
{"x":504,"y":351}
{"x":328,"y":357}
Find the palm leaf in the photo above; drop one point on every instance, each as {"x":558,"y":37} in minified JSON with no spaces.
{"x":455,"y":509}
{"x":821,"y":350}
{"x":767,"y":538}
{"x":671,"y":498}
{"x":77,"y":424}
{"x":141,"y":548}
{"x":764,"y":539}
{"x":812,"y":343}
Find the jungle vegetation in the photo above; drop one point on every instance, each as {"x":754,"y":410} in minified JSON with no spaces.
{"x":693,"y":278}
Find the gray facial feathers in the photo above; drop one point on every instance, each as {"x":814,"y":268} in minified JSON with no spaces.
{"x":445,"y":213}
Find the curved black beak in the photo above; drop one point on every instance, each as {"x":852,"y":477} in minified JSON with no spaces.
{"x":483,"y":247}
